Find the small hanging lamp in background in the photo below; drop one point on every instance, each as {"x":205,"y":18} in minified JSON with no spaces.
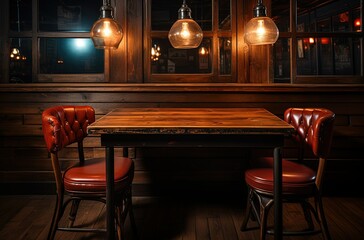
{"x":106,"y":32}
{"x":185,"y":32}
{"x":261,"y":29}
{"x":203,"y":51}
{"x":155,"y":52}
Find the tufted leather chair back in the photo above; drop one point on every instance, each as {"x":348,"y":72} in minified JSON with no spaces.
{"x":314,"y":128}
{"x":64,"y":125}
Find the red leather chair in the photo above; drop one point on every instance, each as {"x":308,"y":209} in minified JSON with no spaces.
{"x":314,"y":130}
{"x":86,"y":180}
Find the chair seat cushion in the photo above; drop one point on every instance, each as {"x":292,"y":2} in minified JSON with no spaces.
{"x":296,"y":179}
{"x":90,"y":177}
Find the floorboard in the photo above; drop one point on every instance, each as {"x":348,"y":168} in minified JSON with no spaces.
{"x":176,"y":218}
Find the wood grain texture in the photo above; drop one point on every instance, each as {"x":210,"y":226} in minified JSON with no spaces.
{"x":173,"y":217}
{"x":190,"y":121}
{"x":25,"y":164}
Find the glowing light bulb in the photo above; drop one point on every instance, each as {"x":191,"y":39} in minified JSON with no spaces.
{"x":260,"y":29}
{"x":185,"y":32}
{"x":15,"y":51}
{"x":155,"y":52}
{"x":357,"y":23}
{"x":203,"y":51}
{"x":106,"y":31}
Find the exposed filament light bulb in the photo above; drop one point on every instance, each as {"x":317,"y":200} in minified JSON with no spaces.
{"x":260,"y":29}
{"x":106,"y":32}
{"x":185,"y":33}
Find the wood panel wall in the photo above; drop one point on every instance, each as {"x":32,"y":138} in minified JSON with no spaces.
{"x":25,"y":166}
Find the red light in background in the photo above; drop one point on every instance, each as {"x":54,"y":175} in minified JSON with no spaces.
{"x":325,"y":41}
{"x":311,"y":40}
{"x":357,"y":22}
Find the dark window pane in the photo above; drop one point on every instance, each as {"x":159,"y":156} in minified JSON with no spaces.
{"x":282,"y":66}
{"x":343,"y":56}
{"x":306,"y":56}
{"x":328,"y":56}
{"x":318,"y":17}
{"x":68,"y":15}
{"x":181,"y":61}
{"x":326,"y":63}
{"x":20,"y":60}
{"x":280,"y":14}
{"x":224,"y":15}
{"x":225,"y":55}
{"x":324,"y":25}
{"x":164,"y":13}
{"x":340,"y":22}
{"x":70,"y":55}
{"x":20,"y":15}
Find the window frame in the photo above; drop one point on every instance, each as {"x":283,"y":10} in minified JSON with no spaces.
{"x":35,"y":35}
{"x":214,"y":35}
{"x":293,"y":36}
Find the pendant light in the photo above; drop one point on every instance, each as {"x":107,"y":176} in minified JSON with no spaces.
{"x":106,"y":32}
{"x":185,"y":32}
{"x":261,"y":29}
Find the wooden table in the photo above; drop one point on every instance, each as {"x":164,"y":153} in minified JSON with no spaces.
{"x":191,"y":127}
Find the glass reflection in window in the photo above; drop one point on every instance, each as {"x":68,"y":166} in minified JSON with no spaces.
{"x":68,"y":15}
{"x":166,"y":59}
{"x":341,"y":13}
{"x":20,"y":64}
{"x":225,"y":55}
{"x":336,"y":56}
{"x":280,"y":14}
{"x":20,"y":15}
{"x":165,"y":12}
{"x":70,"y":56}
{"x":224,"y":15}
{"x":282,"y":65}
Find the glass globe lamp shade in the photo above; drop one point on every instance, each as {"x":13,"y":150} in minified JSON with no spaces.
{"x":185,"y":34}
{"x":106,"y":33}
{"x":260,"y":31}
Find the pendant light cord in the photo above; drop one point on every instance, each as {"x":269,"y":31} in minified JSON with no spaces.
{"x":18,"y":15}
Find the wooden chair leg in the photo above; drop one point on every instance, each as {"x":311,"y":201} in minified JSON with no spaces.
{"x":322,"y":219}
{"x":56,"y":217}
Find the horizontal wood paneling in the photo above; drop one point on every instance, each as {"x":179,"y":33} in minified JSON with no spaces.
{"x":25,"y":162}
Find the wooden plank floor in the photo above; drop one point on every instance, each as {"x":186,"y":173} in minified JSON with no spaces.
{"x":28,"y":217}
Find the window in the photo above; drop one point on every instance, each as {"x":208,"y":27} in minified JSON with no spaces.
{"x":57,"y":48}
{"x":212,"y":61}
{"x":326,"y":43}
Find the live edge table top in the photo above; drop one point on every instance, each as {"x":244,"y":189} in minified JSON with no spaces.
{"x":190,"y":121}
